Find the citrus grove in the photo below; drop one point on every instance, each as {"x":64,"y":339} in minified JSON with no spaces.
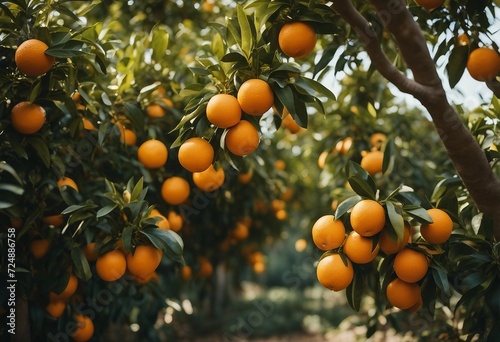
{"x":155,"y":155}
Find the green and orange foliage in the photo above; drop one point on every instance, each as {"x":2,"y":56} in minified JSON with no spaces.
{"x":27,"y":117}
{"x":290,"y":124}
{"x":390,"y":243}
{"x":360,"y":249}
{"x":403,"y":295}
{"x":242,"y":139}
{"x":209,"y":179}
{"x":328,"y":233}
{"x":430,"y":4}
{"x":163,"y":222}
{"x":196,"y":154}
{"x":88,"y":125}
{"x":84,"y":329}
{"x":66,"y":181}
{"x":159,"y":108}
{"x":297,"y":39}
{"x":175,"y":190}
{"x":483,"y":64}
{"x":255,"y":96}
{"x":39,"y":248}
{"x":223,"y":110}
{"x":335,"y":272}
{"x":31,"y":58}
{"x":367,"y":217}
{"x":68,"y":291}
{"x":411,"y":265}
{"x":152,"y":154}
{"x":56,"y":308}
{"x":111,"y":265}
{"x":439,"y":231}
{"x":143,"y":260}
{"x":175,"y":220}
{"x":372,"y":162}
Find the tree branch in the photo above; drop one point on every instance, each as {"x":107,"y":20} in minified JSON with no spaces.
{"x":467,"y":156}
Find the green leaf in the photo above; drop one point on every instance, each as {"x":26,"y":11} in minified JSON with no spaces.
{"x":366,"y":184}
{"x":6,"y":167}
{"x":389,"y":156}
{"x":457,"y":63}
{"x":418,"y":213}
{"x":166,"y":240}
{"x":127,"y":237}
{"x":105,"y":210}
{"x":396,"y":219}
{"x":81,"y":266}
{"x":361,"y":187}
{"x":440,"y":276}
{"x":354,"y":292}
{"x":139,"y":186}
{"x":76,"y":207}
{"x":246,"y":31}
{"x":159,"y":42}
{"x":314,"y":87}
{"x":345,"y":205}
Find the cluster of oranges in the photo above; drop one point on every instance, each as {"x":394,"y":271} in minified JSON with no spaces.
{"x":369,"y":235}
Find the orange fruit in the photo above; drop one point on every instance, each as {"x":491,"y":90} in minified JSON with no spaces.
{"x":128,"y":137}
{"x":240,"y":231}
{"x":175,"y":221}
{"x":75,"y":96}
{"x":90,"y":252}
{"x":245,"y":177}
{"x":333,"y":274}
{"x":223,"y":110}
{"x":343,"y":146}
{"x":39,"y":248}
{"x":242,"y":139}
{"x":196,"y":154}
{"x":152,"y":154}
{"x":54,"y":220}
{"x":410,"y":265}
{"x":210,"y":179}
{"x":328,"y":233}
{"x":56,"y":308}
{"x":388,"y":245}
{"x":31,"y":59}
{"x":278,"y":204}
{"x":297,"y":39}
{"x":205,"y":269}
{"x":281,"y":214}
{"x":377,"y":139}
{"x":483,"y":64}
{"x":175,"y":190}
{"x":68,"y":291}
{"x":186,"y":272}
{"x":27,"y":117}
{"x":255,"y":96}
{"x":372,"y":162}
{"x":259,"y":267}
{"x":208,"y":6}
{"x":144,"y":260}
{"x":402,"y":295}
{"x":84,"y":329}
{"x":463,"y":39}
{"x":359,"y":249}
{"x":279,"y":165}
{"x":417,"y":306}
{"x":111,"y":265}
{"x":367,"y":217}
{"x":439,"y":231}
{"x":88,"y":125}
{"x":300,"y":245}
{"x":290,"y":124}
{"x":66,"y":181}
{"x":155,"y":110}
{"x":163,"y":223}
{"x":147,"y":279}
{"x":430,"y":4}
{"x":322,"y":159}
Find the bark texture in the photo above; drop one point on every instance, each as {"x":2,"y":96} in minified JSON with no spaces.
{"x":467,"y":156}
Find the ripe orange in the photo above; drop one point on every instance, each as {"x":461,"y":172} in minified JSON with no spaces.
{"x":223,"y":110}
{"x":128,"y":137}
{"x":84,"y":330}
{"x":31,"y":59}
{"x":147,"y":279}
{"x":163,"y":223}
{"x":242,"y":139}
{"x":88,"y":125}
{"x":290,"y":124}
{"x":483,"y":64}
{"x":196,"y":154}
{"x":39,"y":248}
{"x":66,"y":181}
{"x":144,"y":260}
{"x":322,"y":159}
{"x":245,"y":177}
{"x":210,"y":179}
{"x":372,"y":162}
{"x":410,"y":265}
{"x":259,"y":267}
{"x":367,"y":217}
{"x":27,"y":117}
{"x":430,"y":4}
{"x":280,"y":165}
{"x":155,"y":110}
{"x":439,"y":231}
{"x":175,"y":221}
{"x":255,"y":96}
{"x":415,"y":307}
{"x":56,"y":308}
{"x":300,"y":245}
{"x":240,"y":231}
{"x":281,"y":214}
{"x":53,"y":220}
{"x":402,"y":295}
{"x":328,"y":233}
{"x":90,"y":252}
{"x":333,"y":274}
{"x":343,"y":146}
{"x":359,"y":249}
{"x":152,"y":154}
{"x":68,"y":291}
{"x":463,"y":39}
{"x":111,"y":266}
{"x":297,"y":39}
{"x":175,"y":190}
{"x":377,"y":139}
{"x":205,"y":267}
{"x":186,"y":272}
{"x":390,"y":246}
